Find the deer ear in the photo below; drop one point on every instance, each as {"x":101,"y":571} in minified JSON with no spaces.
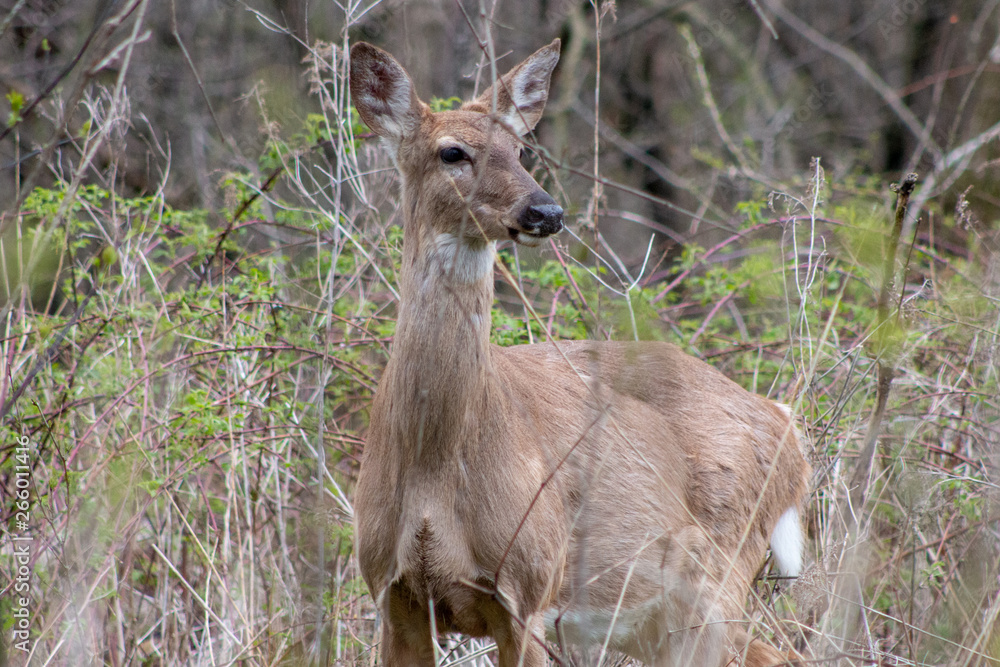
{"x":383,"y":93}
{"x":522,"y":92}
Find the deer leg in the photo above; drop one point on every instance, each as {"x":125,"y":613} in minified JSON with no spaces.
{"x":406,"y":648}
{"x":406,"y":631}
{"x":749,"y":652}
{"x":693,"y":647}
{"x":522,"y":646}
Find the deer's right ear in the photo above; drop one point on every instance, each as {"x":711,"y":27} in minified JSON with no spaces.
{"x":383,"y":93}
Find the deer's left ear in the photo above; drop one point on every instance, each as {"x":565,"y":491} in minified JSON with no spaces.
{"x":522,"y":92}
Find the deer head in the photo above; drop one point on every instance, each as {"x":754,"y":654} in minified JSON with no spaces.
{"x":461,"y":169}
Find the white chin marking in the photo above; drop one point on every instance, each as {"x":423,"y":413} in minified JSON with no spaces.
{"x":786,"y":543}
{"x":528,"y":239}
{"x":462,"y":261}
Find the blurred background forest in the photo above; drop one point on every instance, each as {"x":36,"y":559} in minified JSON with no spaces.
{"x":199,"y":259}
{"x":871,"y":87}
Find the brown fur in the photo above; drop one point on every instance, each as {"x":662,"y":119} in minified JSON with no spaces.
{"x":501,"y":483}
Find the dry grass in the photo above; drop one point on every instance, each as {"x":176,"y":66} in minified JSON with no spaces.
{"x":193,"y":387}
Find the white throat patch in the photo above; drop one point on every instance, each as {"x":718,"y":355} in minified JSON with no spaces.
{"x":462,"y":262}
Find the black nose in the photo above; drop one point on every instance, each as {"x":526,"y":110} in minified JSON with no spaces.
{"x":541,"y":219}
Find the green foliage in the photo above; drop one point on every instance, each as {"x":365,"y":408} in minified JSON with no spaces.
{"x":754,"y":212}
{"x":16,"y":101}
{"x":196,"y":363}
{"x":184,"y":366}
{"x":564,"y":322}
{"x":444,"y":104}
{"x":315,"y":131}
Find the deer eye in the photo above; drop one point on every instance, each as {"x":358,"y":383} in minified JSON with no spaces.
{"x":453,"y":154}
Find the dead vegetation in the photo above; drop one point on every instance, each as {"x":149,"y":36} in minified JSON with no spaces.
{"x":195,"y":315}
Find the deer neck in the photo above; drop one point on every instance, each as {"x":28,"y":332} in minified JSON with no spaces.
{"x":440,"y":371}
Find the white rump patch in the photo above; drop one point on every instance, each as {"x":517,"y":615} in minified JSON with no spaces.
{"x":462,"y":262}
{"x":787,"y":544}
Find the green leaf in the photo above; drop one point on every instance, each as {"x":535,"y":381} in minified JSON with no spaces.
{"x":16,"y":100}
{"x":444,"y":104}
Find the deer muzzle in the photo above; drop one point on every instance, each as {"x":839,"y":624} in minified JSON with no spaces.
{"x":538,"y":220}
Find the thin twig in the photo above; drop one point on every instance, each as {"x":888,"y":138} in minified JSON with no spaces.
{"x":244,"y":205}
{"x":861,"y":479}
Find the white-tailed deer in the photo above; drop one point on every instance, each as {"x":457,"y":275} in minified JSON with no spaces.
{"x":617,"y":493}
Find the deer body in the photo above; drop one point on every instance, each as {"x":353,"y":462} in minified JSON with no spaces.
{"x":613,"y":491}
